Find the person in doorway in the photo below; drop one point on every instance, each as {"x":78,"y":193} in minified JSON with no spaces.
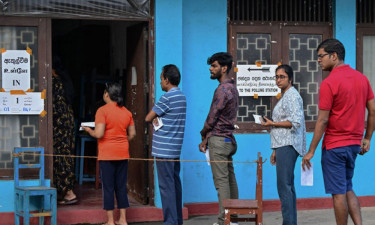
{"x":114,"y":128}
{"x":217,"y":132}
{"x":63,"y":133}
{"x":288,"y":140}
{"x":343,"y":98}
{"x":169,"y":114}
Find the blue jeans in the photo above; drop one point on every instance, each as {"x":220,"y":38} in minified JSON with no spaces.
{"x":286,"y":158}
{"x":170,"y":191}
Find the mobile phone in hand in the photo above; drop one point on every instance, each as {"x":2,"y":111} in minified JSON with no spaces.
{"x":263,"y":117}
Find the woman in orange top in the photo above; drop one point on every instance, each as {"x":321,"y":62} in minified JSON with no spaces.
{"x":114,"y":127}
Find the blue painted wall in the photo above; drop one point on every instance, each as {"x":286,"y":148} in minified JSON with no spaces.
{"x":204,"y":33}
{"x":168,"y":50}
{"x":344,"y":28}
{"x":203,"y":24}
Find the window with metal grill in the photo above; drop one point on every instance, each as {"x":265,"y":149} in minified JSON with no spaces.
{"x":365,"y":12}
{"x":279,"y":31}
{"x":309,"y":11}
{"x":366,"y":39}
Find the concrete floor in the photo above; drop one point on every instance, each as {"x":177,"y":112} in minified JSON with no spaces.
{"x":305,"y":217}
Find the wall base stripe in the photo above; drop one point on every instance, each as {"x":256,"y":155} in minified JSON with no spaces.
{"x":212,"y":208}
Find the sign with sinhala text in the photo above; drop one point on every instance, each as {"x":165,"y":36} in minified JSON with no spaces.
{"x":252,"y":79}
{"x":15,"y":68}
{"x":29,"y":104}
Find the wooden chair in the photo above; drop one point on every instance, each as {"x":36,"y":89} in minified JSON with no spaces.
{"x":24,"y":193}
{"x":253,"y":209}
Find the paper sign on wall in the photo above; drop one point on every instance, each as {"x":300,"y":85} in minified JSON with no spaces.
{"x":29,"y":104}
{"x":260,"y":80}
{"x":15,"y":68}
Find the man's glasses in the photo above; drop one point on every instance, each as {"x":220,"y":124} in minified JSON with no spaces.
{"x":322,"y":55}
{"x":281,"y":77}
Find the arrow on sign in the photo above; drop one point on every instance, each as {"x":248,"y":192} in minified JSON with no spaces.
{"x":264,"y":69}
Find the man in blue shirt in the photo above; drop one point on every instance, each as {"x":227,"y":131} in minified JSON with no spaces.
{"x":168,"y":117}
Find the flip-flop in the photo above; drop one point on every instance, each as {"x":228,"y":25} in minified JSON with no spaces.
{"x":68,"y":202}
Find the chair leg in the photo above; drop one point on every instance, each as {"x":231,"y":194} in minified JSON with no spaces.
{"x":97,"y":179}
{"x":45,"y":206}
{"x":77,"y":160}
{"x":54,"y":209}
{"x":82,"y":161}
{"x":16,"y":208}
{"x":227,"y":217}
{"x":16,"y":219}
{"x":259,"y":219}
{"x":26,"y":209}
{"x":41,"y":220}
{"x":26,"y":219}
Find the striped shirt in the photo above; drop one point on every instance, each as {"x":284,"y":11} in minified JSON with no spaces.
{"x":171,"y":108}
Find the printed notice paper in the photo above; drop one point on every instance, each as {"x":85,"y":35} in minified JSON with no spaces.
{"x":15,"y":68}
{"x":307,"y":176}
{"x":30,"y":103}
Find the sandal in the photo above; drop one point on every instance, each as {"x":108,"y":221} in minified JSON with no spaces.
{"x":68,"y":202}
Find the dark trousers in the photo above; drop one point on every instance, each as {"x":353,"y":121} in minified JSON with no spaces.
{"x":170,"y":191}
{"x":114,"y":175}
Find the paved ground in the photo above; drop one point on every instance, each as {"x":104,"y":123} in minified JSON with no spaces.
{"x":305,"y":217}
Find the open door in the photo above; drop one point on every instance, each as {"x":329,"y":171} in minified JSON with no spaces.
{"x":136,"y":100}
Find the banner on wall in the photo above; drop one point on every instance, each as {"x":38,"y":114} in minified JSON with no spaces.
{"x":260,"y":80}
{"x":15,"y":68}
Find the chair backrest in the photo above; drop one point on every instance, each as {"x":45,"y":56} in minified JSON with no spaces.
{"x":17,"y":166}
{"x":259,"y":182}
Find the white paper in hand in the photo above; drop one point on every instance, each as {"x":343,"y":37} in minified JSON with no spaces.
{"x":158,"y":124}
{"x":258,"y":119}
{"x":207,"y":156}
{"x":307,"y":176}
{"x":87,"y":124}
